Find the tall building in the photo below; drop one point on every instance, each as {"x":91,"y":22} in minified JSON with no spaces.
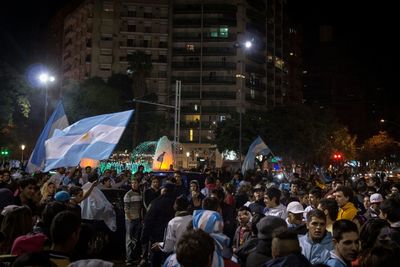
{"x":99,"y":34}
{"x":220,"y":74}
{"x":231,"y":56}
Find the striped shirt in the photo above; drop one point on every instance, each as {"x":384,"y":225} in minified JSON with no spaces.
{"x":133,"y":205}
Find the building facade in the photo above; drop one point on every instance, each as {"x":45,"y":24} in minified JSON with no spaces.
{"x":230,"y":55}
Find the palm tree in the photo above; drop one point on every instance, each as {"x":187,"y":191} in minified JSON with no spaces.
{"x":139,"y":68}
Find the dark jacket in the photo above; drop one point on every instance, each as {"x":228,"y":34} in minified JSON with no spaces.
{"x":257,"y":206}
{"x":161,"y":211}
{"x":261,"y":255}
{"x":228,"y":215}
{"x":248,"y":247}
{"x":292,"y":260}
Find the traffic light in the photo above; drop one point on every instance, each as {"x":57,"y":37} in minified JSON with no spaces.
{"x":4,"y":152}
{"x":337,"y":156}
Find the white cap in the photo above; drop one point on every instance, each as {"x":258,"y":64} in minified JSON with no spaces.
{"x":376,"y":198}
{"x":295,"y":207}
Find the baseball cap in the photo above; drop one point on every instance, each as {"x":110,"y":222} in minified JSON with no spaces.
{"x":376,"y":198}
{"x":28,"y":243}
{"x":295,"y":207}
{"x":258,"y":187}
{"x":62,"y":196}
{"x":270,"y":226}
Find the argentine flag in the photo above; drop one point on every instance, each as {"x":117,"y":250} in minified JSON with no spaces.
{"x":257,"y":147}
{"x":57,"y":120}
{"x":93,"y":137}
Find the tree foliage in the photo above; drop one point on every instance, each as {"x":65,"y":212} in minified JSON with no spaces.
{"x":380,"y":147}
{"x":293,"y":132}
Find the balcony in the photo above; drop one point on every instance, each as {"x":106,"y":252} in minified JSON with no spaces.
{"x":209,"y":8}
{"x":206,"y":80}
{"x":207,"y":51}
{"x":206,"y":65}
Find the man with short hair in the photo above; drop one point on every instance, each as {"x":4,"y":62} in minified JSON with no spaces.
{"x":272,"y":202}
{"x":314,"y":196}
{"x":346,"y":240}
{"x":344,"y":196}
{"x":151,"y":193}
{"x":330,"y":208}
{"x":258,"y":205}
{"x":317,"y":243}
{"x":27,"y":190}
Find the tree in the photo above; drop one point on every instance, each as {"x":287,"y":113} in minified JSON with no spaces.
{"x":139,"y":67}
{"x":15,"y":107}
{"x":380,"y":150}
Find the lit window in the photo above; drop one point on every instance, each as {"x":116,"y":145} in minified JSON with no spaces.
{"x":252,"y":93}
{"x":190,"y":47}
{"x":214,"y":34}
{"x":108,"y":7}
{"x":223,"y":32}
{"x":291,"y":53}
{"x":191,"y":135}
{"x":222,"y":118}
{"x":196,"y":107}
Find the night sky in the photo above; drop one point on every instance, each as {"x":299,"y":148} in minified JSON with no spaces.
{"x":364,"y":33}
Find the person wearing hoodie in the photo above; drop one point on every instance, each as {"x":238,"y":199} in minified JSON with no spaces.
{"x":267,"y":227}
{"x":286,"y":251}
{"x":317,"y":243}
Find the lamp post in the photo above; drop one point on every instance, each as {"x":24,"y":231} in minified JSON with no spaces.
{"x":386,"y":121}
{"x":247,"y":45}
{"x":22,"y":153}
{"x":45,"y":79}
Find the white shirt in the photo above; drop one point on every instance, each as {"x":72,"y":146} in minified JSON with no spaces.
{"x":175,"y":229}
{"x":278,"y":211}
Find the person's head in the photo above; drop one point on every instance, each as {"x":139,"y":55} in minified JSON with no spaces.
{"x":388,"y":236}
{"x":76,"y":194}
{"x":285,"y":243}
{"x":40,"y":258}
{"x":369,"y":232}
{"x":346,"y":240}
{"x":140,"y":168}
{"x":106,"y":181}
{"x":303,"y":197}
{"x":295,"y":212}
{"x":195,"y":249}
{"x":27,"y":187}
{"x":178,"y":177}
{"x":64,"y":230}
{"x":17,"y":221}
{"x":88,"y":169}
{"x":6,"y":176}
{"x":316,"y":224}
{"x":155,"y":183}
{"x":194,"y":186}
{"x":395,"y":189}
{"x":134,"y":184}
{"x":181,"y":203}
{"x":343,"y":195}
{"x":375,"y":200}
{"x":379,"y":256}
{"x":330,"y":207}
{"x":366,"y":202}
{"x":50,"y":211}
{"x":61,"y":170}
{"x":294,"y":187}
{"x":272,"y":197}
{"x":256,"y":217}
{"x":218,"y":193}
{"x":167,"y":188}
{"x":208,"y":220}
{"x":211,"y":203}
{"x":314,"y":196}
{"x":336,"y":184}
{"x":258,"y":192}
{"x":390,"y":210}
{"x":269,"y":226}
{"x":244,"y":216}
{"x":93,"y":177}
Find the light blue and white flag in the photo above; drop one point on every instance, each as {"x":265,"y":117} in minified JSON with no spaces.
{"x":57,"y":120}
{"x":93,"y":137}
{"x":257,"y":147}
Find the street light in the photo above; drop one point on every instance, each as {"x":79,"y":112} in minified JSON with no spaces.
{"x":45,"y":79}
{"x":392,"y":122}
{"x":22,"y":153}
{"x":247,"y":45}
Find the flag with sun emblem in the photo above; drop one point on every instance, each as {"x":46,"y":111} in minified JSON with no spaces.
{"x":93,"y":137}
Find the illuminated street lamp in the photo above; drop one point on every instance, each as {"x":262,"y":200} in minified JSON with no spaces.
{"x":386,"y":121}
{"x":22,"y":153}
{"x":45,"y":79}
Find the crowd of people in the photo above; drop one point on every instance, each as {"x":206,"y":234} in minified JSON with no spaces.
{"x":224,"y":220}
